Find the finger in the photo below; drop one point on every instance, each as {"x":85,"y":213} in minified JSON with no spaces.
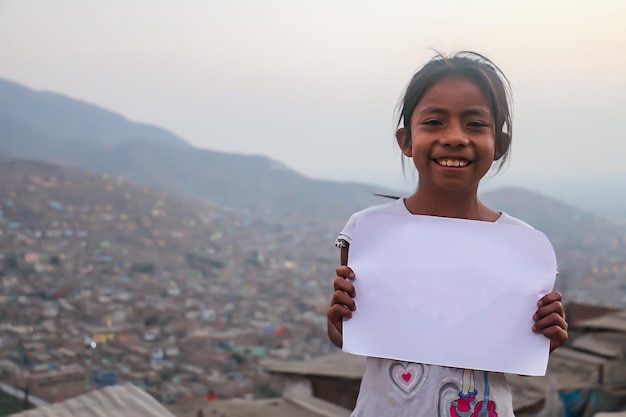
{"x":345,"y":272}
{"x":552,"y":319}
{"x":556,"y":333}
{"x":557,"y":336}
{"x":335,"y":318}
{"x":546,"y":310}
{"x":337,"y":312}
{"x":558,"y":340}
{"x":550,"y":298}
{"x":341,"y":298}
{"x":341,"y":284}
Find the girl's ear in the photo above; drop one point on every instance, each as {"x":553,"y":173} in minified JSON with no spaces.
{"x":402,"y":142}
{"x":502,"y":145}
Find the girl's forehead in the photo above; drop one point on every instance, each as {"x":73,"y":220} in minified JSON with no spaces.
{"x":454,"y":91}
{"x":454,"y":81}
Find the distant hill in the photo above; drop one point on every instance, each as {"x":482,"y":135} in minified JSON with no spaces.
{"x":602,"y":194}
{"x":50,"y":127}
{"x":547,"y":214}
{"x":246,"y":183}
{"x":35,"y":183}
{"x":44,"y":115}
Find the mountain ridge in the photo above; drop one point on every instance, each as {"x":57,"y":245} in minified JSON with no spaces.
{"x":250,"y":184}
{"x":63,"y":117}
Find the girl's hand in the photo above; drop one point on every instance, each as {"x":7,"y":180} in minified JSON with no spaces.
{"x":342,"y":304}
{"x":550,"y":319}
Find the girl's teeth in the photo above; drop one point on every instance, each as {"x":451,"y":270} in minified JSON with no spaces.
{"x":450,"y":163}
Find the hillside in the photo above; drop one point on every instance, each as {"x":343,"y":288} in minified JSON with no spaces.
{"x":126,"y":278}
{"x":65,"y":207}
{"x":53,"y":128}
{"x":249,"y":184}
{"x":550,"y":215}
{"x":53,"y":116}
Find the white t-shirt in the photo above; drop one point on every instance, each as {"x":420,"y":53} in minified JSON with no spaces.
{"x":405,"y":389}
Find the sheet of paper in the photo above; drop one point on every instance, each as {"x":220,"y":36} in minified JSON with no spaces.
{"x":449,"y":292}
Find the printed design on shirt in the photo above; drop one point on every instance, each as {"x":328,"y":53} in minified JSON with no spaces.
{"x":447,"y":392}
{"x":469,"y":404}
{"x":408,"y":377}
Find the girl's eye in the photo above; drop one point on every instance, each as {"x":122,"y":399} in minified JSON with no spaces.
{"x":477,"y":124}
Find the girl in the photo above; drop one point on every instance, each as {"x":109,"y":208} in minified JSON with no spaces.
{"x":454,"y":123}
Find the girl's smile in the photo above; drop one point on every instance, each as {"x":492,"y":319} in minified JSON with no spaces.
{"x":452,"y":162}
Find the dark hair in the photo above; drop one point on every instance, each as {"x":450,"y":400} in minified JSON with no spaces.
{"x":478,"y":69}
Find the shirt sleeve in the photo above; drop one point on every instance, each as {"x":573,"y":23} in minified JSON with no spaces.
{"x":346,"y":233}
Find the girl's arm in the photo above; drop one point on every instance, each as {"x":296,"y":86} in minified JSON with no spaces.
{"x":550,"y":319}
{"x":342,"y":304}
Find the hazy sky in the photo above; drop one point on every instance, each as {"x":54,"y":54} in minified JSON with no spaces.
{"x":314,"y":84}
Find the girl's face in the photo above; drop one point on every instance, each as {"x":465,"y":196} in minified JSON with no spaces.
{"x":452,"y":136}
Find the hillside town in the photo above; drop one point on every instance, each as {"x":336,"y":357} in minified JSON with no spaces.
{"x":103,"y":283}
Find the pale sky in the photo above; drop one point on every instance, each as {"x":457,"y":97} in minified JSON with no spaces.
{"x":314,"y":84}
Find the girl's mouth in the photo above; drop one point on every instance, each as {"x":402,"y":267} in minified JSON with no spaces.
{"x":452,"y":162}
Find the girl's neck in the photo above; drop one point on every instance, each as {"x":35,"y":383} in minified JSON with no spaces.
{"x":461,"y":205}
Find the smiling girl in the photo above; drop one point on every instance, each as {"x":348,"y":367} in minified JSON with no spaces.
{"x":455,"y":125}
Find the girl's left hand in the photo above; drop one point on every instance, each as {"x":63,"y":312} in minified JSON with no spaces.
{"x":550,"y":319}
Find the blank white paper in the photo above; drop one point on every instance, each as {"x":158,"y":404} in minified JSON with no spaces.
{"x":450,"y":292}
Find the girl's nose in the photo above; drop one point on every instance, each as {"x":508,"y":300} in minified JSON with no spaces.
{"x":454,"y":141}
{"x":453,"y":137}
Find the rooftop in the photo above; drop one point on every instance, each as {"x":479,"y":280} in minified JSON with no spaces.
{"x":339,"y":365}
{"x":281,"y":407}
{"x":117,"y":401}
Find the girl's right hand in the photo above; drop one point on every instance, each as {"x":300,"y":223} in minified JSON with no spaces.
{"x":342,"y":303}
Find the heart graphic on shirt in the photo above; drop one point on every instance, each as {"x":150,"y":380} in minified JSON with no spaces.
{"x":408,"y":377}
